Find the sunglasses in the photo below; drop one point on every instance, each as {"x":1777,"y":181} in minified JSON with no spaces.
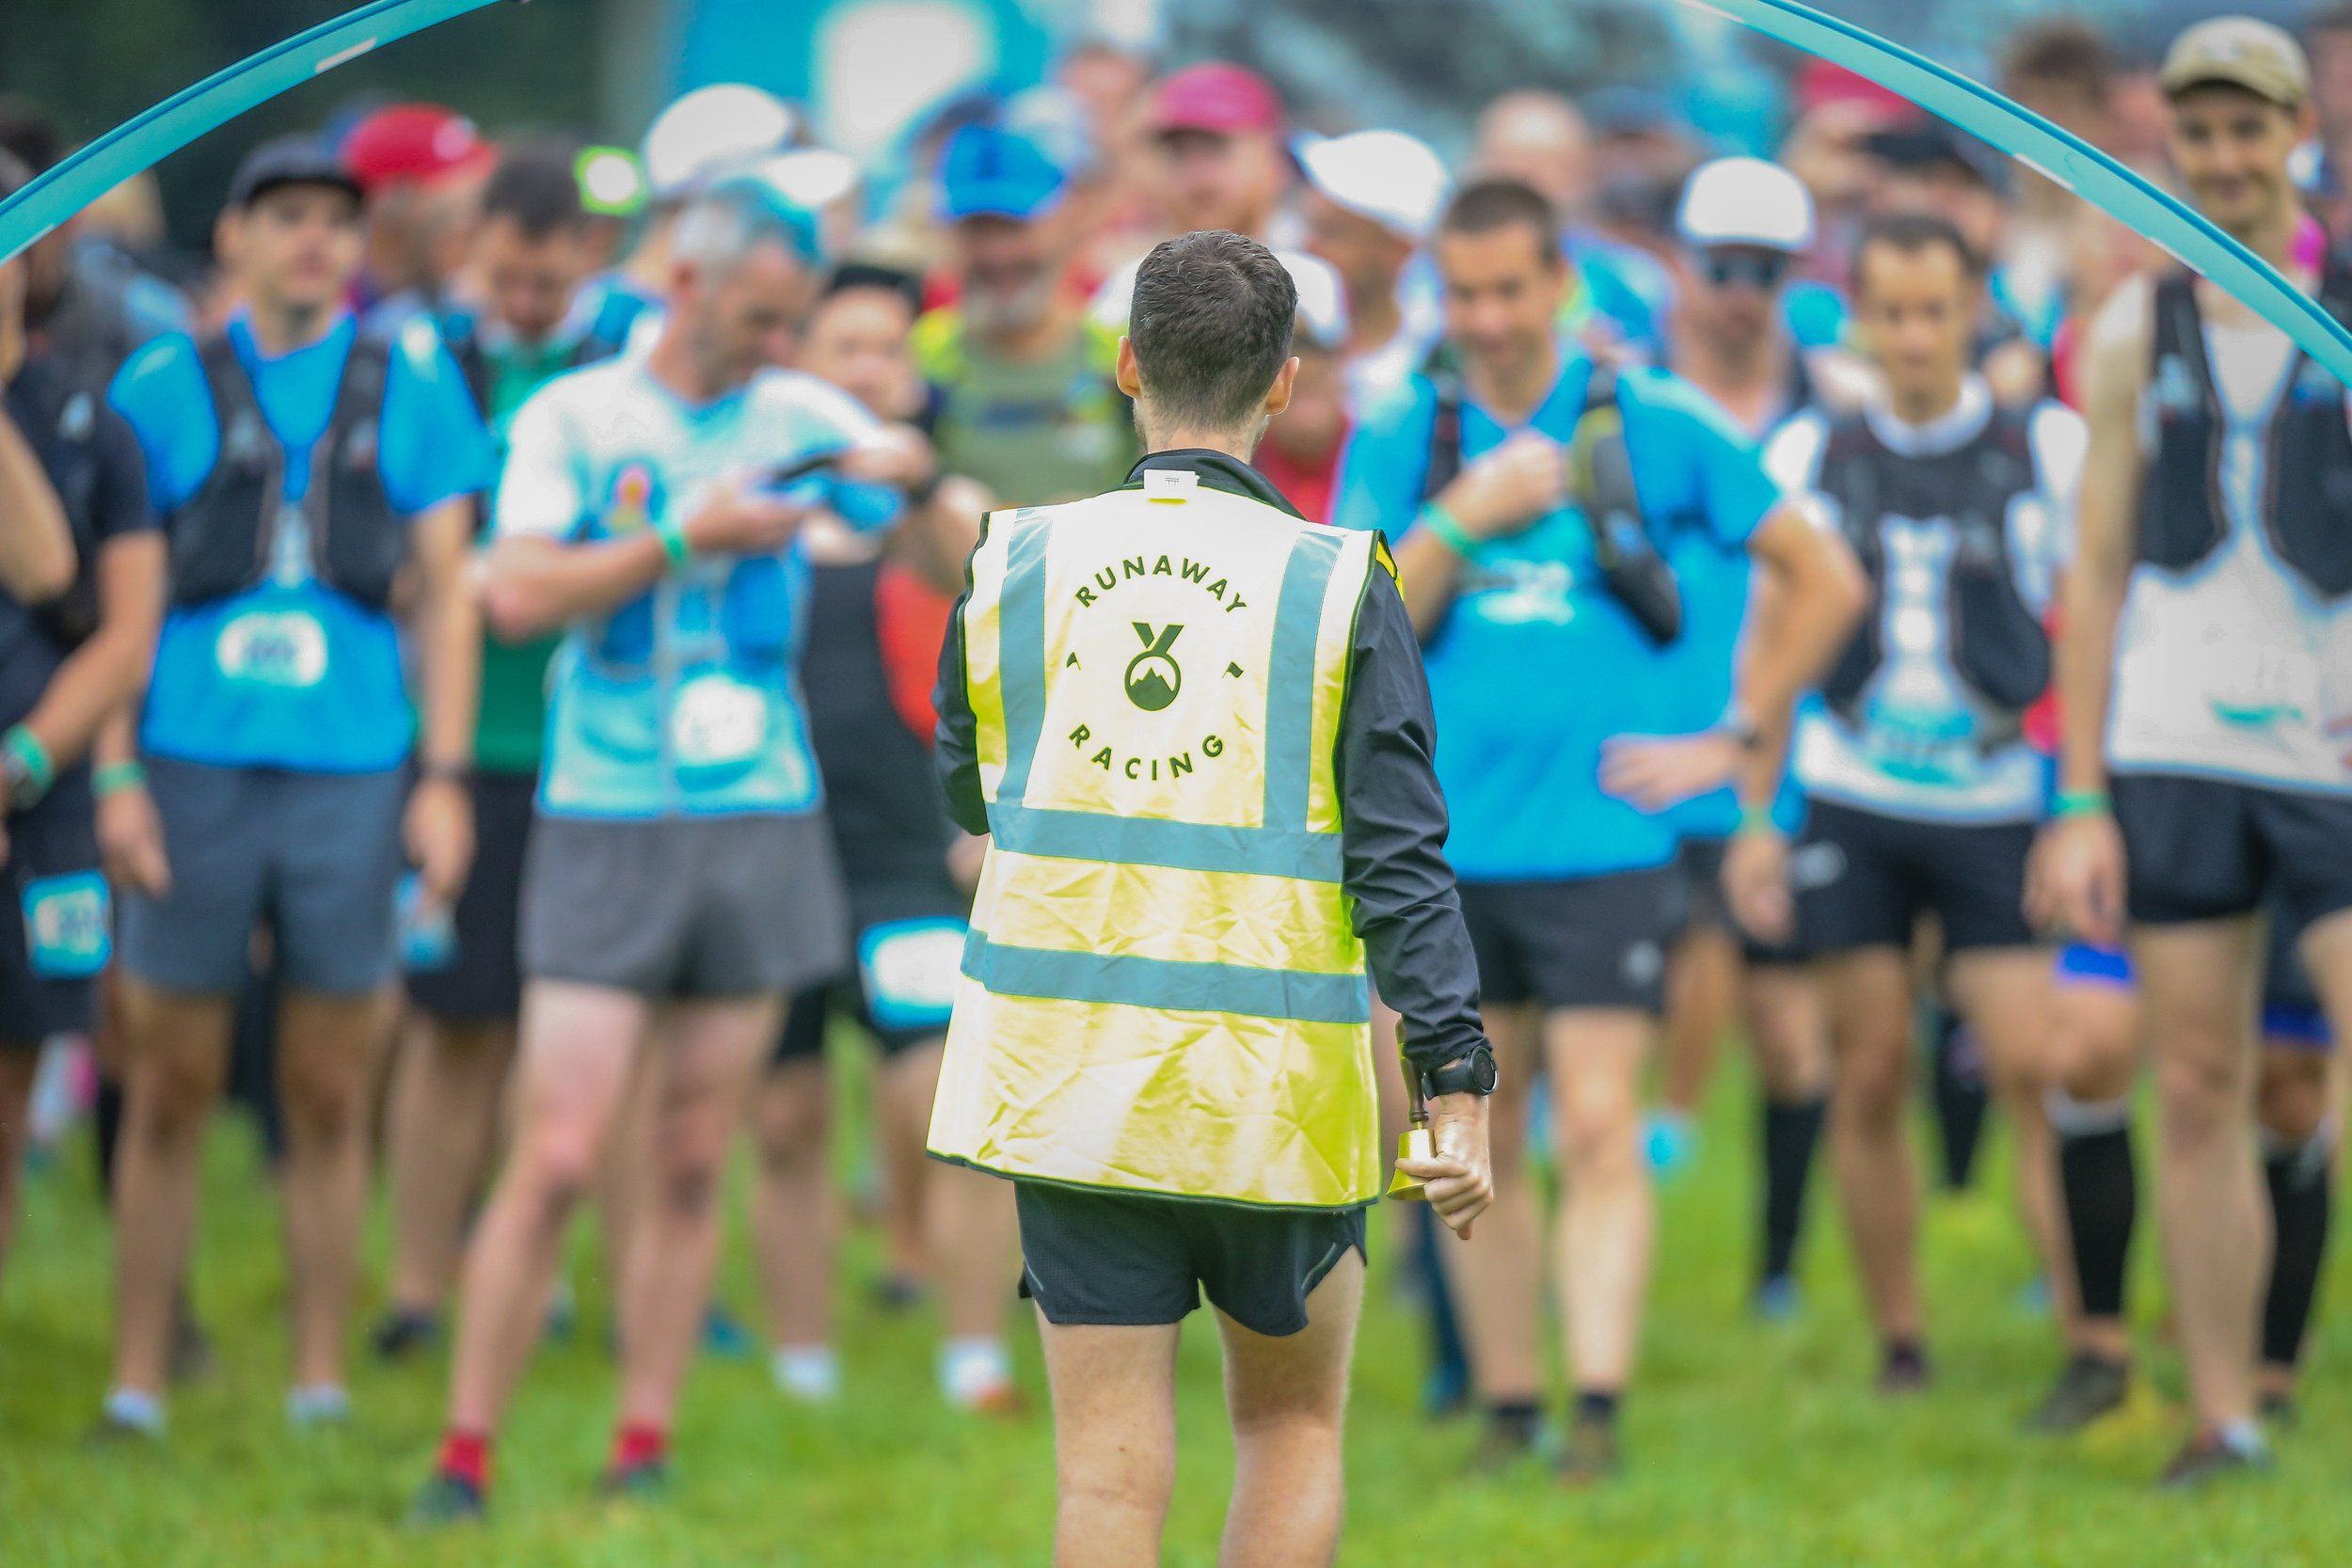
{"x":1752,"y":270}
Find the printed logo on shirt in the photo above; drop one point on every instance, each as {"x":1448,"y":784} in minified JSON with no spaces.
{"x":1154,"y":677}
{"x":282,"y":649}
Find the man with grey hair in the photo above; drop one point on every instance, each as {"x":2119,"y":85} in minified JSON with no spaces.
{"x":680,"y":881}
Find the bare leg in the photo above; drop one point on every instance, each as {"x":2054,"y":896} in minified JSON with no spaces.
{"x":708,"y":1065}
{"x":1114,"y":1392}
{"x":443,"y":1127}
{"x":1608,"y":1214}
{"x":2196,"y":984}
{"x":971,"y":1236}
{"x":1497,"y":1275}
{"x":177,"y":1058}
{"x":1288,"y":1399}
{"x":18,"y":1061}
{"x":570,"y":1073}
{"x":328,"y":1048}
{"x":2009,"y":996}
{"x":1702,"y":990}
{"x":792,"y":1222}
{"x":903,"y":1117}
{"x":1869,"y":1009}
{"x":1789,"y":1029}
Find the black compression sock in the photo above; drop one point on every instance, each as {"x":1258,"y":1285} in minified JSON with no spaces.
{"x":1519,"y":1418}
{"x":2301,"y":1199}
{"x":1597,"y":1404}
{"x":1793,"y":1130}
{"x":108,"y":1125}
{"x":2101,"y":1190}
{"x":1960,"y":1099}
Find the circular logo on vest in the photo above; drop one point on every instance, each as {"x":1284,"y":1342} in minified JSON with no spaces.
{"x":1153,"y":677}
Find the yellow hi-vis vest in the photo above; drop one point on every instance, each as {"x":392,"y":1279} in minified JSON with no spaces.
{"x":1163,"y":991}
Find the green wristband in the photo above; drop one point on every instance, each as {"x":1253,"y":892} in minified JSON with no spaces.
{"x":673,"y":545}
{"x":116,"y":777}
{"x":1756,"y":819}
{"x":2082,"y":803}
{"x":40,"y":773}
{"x":1448,"y":528}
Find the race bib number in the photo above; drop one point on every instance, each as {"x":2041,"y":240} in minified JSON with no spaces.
{"x":285,"y":649}
{"x":909,"y":969}
{"x":718,"y":722}
{"x":66,"y":934}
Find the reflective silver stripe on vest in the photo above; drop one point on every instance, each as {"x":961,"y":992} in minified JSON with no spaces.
{"x":1125,"y":980}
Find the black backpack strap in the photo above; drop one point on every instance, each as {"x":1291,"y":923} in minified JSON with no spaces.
{"x":1445,"y":437}
{"x":2180,"y":329}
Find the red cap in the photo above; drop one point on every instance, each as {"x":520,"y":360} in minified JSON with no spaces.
{"x":1227,"y":100}
{"x":414,"y":144}
{"x":1821,"y":84}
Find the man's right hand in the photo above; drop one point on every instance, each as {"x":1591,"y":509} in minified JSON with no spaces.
{"x":2075,"y":881}
{"x":131,"y":842}
{"x":739,"y":519}
{"x":1503,"y":492}
{"x":1458,"y":1179}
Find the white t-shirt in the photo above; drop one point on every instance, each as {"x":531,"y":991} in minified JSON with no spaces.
{"x":1838,"y":760}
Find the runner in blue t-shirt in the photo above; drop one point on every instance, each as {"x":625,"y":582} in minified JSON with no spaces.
{"x":317,"y":490}
{"x":1546,"y":686}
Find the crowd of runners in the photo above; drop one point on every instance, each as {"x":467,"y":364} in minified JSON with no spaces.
{"x":467,"y":642}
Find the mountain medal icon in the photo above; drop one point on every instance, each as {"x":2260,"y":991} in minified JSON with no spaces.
{"x":1154,"y":677}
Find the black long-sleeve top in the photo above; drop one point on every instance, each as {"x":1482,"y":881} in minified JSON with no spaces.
{"x":1392,"y":814}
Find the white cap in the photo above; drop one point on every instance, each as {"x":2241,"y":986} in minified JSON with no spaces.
{"x":1322,"y":297}
{"x":1747,"y":201}
{"x":1395,"y":180}
{"x":710,"y":129}
{"x":810,"y":178}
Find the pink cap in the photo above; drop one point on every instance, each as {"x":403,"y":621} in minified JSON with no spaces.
{"x":1227,"y":100}
{"x":414,"y":144}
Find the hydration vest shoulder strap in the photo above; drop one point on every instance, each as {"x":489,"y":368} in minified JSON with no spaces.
{"x":2180,"y":329}
{"x":1605,"y":471}
{"x":1445,"y":438}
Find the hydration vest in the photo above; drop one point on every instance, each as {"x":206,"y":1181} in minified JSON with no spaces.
{"x":2307,"y":498}
{"x":67,"y":409}
{"x":224,"y":537}
{"x":1998,"y":646}
{"x":1163,"y":990}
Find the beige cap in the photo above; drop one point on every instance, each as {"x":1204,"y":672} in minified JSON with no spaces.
{"x":2241,"y":52}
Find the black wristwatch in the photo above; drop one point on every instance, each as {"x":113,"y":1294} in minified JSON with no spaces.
{"x":1473,"y":1072}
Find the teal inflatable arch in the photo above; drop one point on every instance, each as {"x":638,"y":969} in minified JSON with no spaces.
{"x":137,"y":143}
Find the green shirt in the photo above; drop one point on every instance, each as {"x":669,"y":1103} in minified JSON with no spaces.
{"x":510,"y":731}
{"x":1035,"y":431}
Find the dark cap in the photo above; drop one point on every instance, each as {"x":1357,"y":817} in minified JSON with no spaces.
{"x":1932,"y":144}
{"x":290,"y":160}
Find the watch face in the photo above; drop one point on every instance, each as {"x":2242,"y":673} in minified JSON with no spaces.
{"x":1483,"y":1069}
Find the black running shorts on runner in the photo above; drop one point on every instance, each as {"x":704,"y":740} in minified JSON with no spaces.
{"x":1589,"y":942}
{"x":2212,"y":848}
{"x":903,"y":967}
{"x":51,"y":847}
{"x":483,"y":982}
{"x":1874,"y":875}
{"x":1129,"y":1258}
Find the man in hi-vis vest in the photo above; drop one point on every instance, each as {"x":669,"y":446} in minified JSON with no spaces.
{"x":1197,"y":728}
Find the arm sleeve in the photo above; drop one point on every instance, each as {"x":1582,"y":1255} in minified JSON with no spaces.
{"x":955,"y":750}
{"x":1392,"y":837}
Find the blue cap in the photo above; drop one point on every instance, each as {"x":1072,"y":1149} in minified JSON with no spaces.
{"x":987,"y":171}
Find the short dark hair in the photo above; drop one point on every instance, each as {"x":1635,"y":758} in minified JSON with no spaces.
{"x":15,"y":174}
{"x":29,"y":132}
{"x":1910,"y":234}
{"x":2060,"y":51}
{"x":1489,"y":206}
{"x":1210,"y":325}
{"x":536,"y":189}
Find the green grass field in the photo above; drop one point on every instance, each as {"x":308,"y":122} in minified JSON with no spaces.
{"x":1750,"y":1445}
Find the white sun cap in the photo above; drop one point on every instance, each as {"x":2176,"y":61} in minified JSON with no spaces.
{"x":1747,"y":201}
{"x":1395,"y":180}
{"x":713,"y":129}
